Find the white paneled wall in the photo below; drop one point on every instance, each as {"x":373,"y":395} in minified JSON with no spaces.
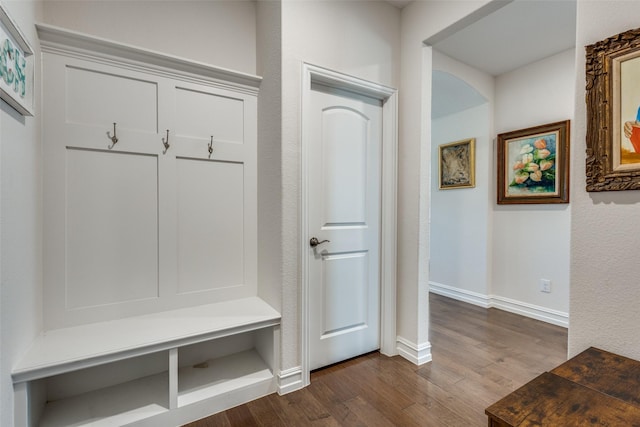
{"x":134,"y":225}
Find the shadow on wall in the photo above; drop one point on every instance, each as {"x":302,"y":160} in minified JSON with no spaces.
{"x":460,"y":216}
{"x":451,"y":95}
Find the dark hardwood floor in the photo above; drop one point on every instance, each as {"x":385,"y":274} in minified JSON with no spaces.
{"x":479,"y":356}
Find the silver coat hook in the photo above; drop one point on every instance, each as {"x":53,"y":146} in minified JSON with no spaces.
{"x":210,"y":149}
{"x":165,"y":142}
{"x":114,"y":138}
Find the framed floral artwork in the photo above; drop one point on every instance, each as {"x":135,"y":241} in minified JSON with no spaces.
{"x":533,"y":165}
{"x":16,"y":66}
{"x":613,"y":113}
{"x":457,"y":164}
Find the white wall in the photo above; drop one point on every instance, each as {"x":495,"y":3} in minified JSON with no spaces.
{"x":605,"y":232}
{"x":460,"y":222}
{"x":523,"y":243}
{"x":352,"y":37}
{"x":420,"y":20}
{"x":20,"y":221}
{"x":531,"y":242}
{"x":220,"y":33}
{"x":269,"y":66}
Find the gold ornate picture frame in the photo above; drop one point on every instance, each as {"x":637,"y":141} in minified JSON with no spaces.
{"x":613,"y":113}
{"x":457,"y":164}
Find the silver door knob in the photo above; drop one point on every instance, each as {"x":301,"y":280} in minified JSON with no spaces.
{"x":314,"y":242}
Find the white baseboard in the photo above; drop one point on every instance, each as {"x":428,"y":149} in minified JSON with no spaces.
{"x":290,"y":380}
{"x":414,"y":353}
{"x":460,"y":294}
{"x":543,"y":314}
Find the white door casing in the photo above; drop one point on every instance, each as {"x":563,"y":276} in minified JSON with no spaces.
{"x":386,"y":259}
{"x":344,"y":208}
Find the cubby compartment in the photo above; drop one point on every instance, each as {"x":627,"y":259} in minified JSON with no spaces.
{"x":114,"y":394}
{"x":234,"y":363}
{"x":166,"y":368}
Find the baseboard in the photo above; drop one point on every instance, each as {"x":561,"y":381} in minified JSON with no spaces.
{"x":414,"y":353}
{"x":290,"y":380}
{"x":464,"y":295}
{"x":543,"y":314}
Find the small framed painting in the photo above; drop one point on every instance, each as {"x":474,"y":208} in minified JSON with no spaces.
{"x":16,"y":66}
{"x":533,"y":165}
{"x":613,"y":113}
{"x":457,"y":161}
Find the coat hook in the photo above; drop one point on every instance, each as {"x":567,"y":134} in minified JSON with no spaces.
{"x":165,"y":142}
{"x":211,"y":147}
{"x":114,"y":138}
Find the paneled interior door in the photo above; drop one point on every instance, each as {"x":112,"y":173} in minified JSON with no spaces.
{"x":344,"y":169}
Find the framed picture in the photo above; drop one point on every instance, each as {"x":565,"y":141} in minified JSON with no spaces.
{"x":457,"y":164}
{"x":16,"y":66}
{"x":533,"y":165}
{"x":613,"y":113}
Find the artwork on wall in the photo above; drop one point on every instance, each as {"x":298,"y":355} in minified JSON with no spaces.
{"x":613,"y":113}
{"x":533,"y":165}
{"x":457,"y":161}
{"x":16,"y":66}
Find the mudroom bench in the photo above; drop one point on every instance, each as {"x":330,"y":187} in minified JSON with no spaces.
{"x":159,"y":369}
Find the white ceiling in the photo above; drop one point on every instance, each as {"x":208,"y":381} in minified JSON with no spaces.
{"x":522,"y":32}
{"x":517,"y":34}
{"x":399,"y":3}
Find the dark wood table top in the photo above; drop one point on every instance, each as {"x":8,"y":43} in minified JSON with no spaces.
{"x":606,"y":372}
{"x":594,"y":388}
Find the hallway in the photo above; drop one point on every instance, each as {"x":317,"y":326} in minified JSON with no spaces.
{"x":479,"y":356}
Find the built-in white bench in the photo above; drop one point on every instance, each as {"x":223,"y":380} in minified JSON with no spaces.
{"x":158,"y":369}
{"x":152,"y":314}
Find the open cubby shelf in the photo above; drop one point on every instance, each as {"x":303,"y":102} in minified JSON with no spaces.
{"x":76,"y":351}
{"x":221,"y":376}
{"x":117,"y":405}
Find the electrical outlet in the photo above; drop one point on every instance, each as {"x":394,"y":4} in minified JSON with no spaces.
{"x":545,"y":285}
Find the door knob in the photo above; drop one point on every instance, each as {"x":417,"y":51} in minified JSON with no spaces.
{"x":314,"y":242}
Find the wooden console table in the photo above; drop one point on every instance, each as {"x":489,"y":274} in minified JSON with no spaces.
{"x":594,"y":388}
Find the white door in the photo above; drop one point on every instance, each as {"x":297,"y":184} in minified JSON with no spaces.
{"x":344,"y":170}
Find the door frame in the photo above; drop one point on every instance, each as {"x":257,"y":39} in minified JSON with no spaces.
{"x":388,"y":201}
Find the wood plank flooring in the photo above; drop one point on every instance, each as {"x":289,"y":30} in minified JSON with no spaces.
{"x":479,"y":356}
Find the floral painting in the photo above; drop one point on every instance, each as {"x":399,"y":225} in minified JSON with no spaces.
{"x":533,"y":168}
{"x":534,"y":165}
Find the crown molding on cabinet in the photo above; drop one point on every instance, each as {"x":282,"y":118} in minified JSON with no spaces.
{"x":63,"y":41}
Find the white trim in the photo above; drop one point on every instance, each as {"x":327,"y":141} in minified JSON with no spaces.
{"x":71,"y":43}
{"x":418,"y":354}
{"x":464,"y":295}
{"x":70,"y":349}
{"x":21,"y":414}
{"x":290,"y":380}
{"x":389,"y":229}
{"x":537,"y":312}
{"x":543,"y":314}
{"x":312,"y":73}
